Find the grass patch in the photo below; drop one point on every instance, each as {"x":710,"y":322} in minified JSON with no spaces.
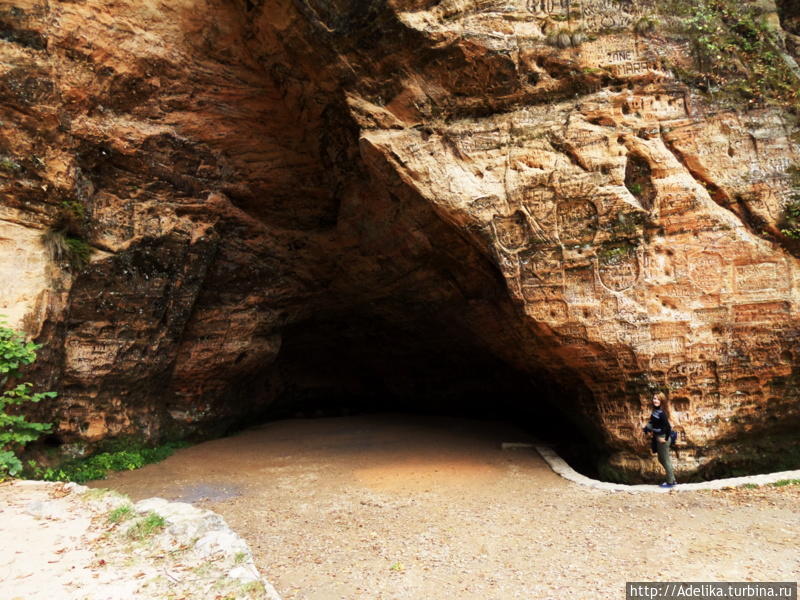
{"x":750,"y":486}
{"x":98,"y":466}
{"x":785,"y":482}
{"x":149,"y":525}
{"x":95,"y":493}
{"x":120,"y":514}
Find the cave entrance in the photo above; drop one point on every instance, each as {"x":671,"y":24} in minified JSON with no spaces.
{"x":364,"y":363}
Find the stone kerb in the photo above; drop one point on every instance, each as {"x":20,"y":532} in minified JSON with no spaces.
{"x":560,"y":466}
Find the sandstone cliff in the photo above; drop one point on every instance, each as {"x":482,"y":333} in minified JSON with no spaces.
{"x":591,"y":201}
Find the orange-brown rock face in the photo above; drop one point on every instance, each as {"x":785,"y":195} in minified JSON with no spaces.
{"x":519,"y":188}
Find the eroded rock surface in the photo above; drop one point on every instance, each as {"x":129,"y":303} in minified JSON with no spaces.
{"x":536,"y":184}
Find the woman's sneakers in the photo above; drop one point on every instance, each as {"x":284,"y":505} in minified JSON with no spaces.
{"x":668,"y":485}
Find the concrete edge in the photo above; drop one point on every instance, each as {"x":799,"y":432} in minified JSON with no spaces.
{"x":560,"y":466}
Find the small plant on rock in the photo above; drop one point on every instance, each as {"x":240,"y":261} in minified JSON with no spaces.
{"x":145,"y":527}
{"x":15,"y":430}
{"x":120,"y":514}
{"x":66,"y":248}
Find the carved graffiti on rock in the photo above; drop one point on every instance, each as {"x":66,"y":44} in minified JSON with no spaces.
{"x":512,"y":232}
{"x":761,"y":311}
{"x":541,"y":266}
{"x":707,"y":271}
{"x":577,"y":222}
{"x":479,"y":141}
{"x":757,"y":277}
{"x":579,"y":286}
{"x":618,"y":266}
{"x":572,"y":334}
{"x":700,"y":376}
{"x":553,"y":311}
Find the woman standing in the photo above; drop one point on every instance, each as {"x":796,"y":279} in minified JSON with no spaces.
{"x":659,"y":427}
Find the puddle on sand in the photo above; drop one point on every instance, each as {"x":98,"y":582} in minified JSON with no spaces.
{"x":206,"y":492}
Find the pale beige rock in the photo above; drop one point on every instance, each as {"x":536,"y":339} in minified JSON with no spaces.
{"x":24,"y":271}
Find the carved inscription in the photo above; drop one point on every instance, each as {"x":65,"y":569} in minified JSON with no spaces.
{"x":579,"y":286}
{"x":484,"y":202}
{"x":547,"y":310}
{"x":712,"y":315}
{"x":680,"y":404}
{"x":694,"y":369}
{"x":757,"y":277}
{"x":548,"y":7}
{"x":618,"y":266}
{"x":513,"y":232}
{"x":760,"y":311}
{"x":508,"y":264}
{"x":660,"y":362}
{"x":664,"y":331}
{"x":577,"y":222}
{"x":479,"y":141}
{"x":572,"y":334}
{"x":697,"y":375}
{"x":707,"y":271}
{"x":541,"y":266}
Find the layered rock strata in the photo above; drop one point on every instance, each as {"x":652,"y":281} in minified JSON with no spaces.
{"x":538,"y":183}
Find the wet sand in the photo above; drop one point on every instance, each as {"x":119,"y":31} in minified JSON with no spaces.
{"x":403,"y":507}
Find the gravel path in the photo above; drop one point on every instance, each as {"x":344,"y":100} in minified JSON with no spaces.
{"x":395,"y":507}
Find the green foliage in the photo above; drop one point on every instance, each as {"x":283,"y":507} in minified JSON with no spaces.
{"x":645,"y":25}
{"x":74,"y":206}
{"x":79,"y":251}
{"x":614,"y":253}
{"x":791,"y":219}
{"x":15,"y":429}
{"x":738,"y":54}
{"x":120,"y":514}
{"x":790,"y":222}
{"x":9,"y":165}
{"x":147,"y":526}
{"x":97,"y":467}
{"x":635,"y":189}
{"x":785,"y":482}
{"x":64,"y":247}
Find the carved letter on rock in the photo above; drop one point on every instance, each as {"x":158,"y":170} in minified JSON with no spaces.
{"x":618,"y":266}
{"x":513,"y":232}
{"x":577,"y":222}
{"x":542,"y":266}
{"x":707,"y":270}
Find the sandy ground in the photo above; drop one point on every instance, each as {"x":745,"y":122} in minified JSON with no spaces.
{"x":54,"y":546}
{"x":396,"y":507}
{"x":58,"y":543}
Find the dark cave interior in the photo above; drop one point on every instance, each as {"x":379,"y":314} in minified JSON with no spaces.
{"x":365,"y":364}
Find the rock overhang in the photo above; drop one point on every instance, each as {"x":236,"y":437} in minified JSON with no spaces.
{"x":570,"y":204}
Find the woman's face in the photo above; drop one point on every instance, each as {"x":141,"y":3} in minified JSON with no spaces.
{"x":656,"y":403}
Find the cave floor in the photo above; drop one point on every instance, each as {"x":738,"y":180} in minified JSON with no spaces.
{"x":411,"y":507}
